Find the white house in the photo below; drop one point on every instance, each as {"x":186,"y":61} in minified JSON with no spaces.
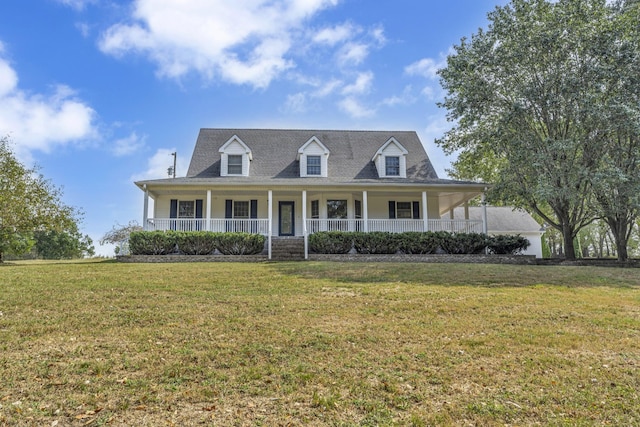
{"x":505,"y":220}
{"x":295,"y":182}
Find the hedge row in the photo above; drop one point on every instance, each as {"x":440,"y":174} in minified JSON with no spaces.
{"x":194,"y":243}
{"x":430,"y":242}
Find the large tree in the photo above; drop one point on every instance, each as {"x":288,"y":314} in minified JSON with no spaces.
{"x":28,"y":203}
{"x":528,"y":96}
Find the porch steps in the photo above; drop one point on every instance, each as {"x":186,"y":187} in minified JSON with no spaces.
{"x":287,"y":248}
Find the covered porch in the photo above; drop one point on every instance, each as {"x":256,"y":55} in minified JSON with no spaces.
{"x":301,"y":212}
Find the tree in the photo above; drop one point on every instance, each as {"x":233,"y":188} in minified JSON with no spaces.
{"x":28,"y":203}
{"x":617,"y":180}
{"x":119,"y":234}
{"x":529,"y":95}
{"x":67,"y":244}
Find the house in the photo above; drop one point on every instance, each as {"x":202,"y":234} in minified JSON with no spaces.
{"x":505,"y":220}
{"x":292,"y":183}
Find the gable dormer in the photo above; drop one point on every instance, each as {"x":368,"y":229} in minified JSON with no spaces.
{"x":314,"y":159}
{"x":391,"y":160}
{"x":235,"y":158}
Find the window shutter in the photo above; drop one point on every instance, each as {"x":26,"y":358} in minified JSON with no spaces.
{"x":198,"y":208}
{"x":173,"y":209}
{"x":392,"y":209}
{"x":254,"y":209}
{"x":228,"y":208}
{"x":416,"y":210}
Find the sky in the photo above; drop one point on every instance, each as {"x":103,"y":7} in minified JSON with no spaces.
{"x":99,"y":93}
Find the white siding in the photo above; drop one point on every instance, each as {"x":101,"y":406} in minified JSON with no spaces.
{"x":234,"y":148}
{"x":391,"y":150}
{"x":314,"y":149}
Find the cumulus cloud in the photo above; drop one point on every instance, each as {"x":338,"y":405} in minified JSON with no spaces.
{"x":427,"y":68}
{"x":40,"y":122}
{"x":76,"y":4}
{"x":361,"y":86}
{"x":336,"y":34}
{"x":159,"y":163}
{"x":243,"y":42}
{"x":128,"y":145}
{"x":355,"y":108}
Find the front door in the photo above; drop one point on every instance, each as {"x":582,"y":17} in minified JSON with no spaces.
{"x":287,"y":220}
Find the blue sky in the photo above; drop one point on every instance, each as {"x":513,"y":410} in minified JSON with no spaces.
{"x":98,"y":93}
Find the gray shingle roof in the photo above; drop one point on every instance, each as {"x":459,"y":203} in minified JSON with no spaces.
{"x":274,"y":154}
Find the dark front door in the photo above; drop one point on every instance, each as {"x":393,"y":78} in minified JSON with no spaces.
{"x":287,"y":219}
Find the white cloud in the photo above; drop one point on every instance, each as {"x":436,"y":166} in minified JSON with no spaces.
{"x":327,"y":88}
{"x":406,"y":98}
{"x":334,"y":35}
{"x":40,"y":122}
{"x":128,"y":145}
{"x":427,"y":68}
{"x":243,"y":42}
{"x":297,"y":103}
{"x":76,"y":4}
{"x":361,"y":86}
{"x":353,"y":54}
{"x":159,"y":163}
{"x":354,"y":107}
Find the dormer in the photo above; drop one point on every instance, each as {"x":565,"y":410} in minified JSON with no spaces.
{"x":235,"y":158}
{"x":313,"y":157}
{"x":391,"y":160}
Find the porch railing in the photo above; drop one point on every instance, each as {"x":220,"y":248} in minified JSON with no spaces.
{"x":255,"y":226}
{"x":261,"y":226}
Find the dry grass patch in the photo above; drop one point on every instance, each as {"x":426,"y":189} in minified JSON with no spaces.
{"x":101,"y":343}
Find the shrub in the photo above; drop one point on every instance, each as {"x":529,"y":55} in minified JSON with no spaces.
{"x":239,"y":243}
{"x":415,"y":242}
{"x":331,"y":242}
{"x":376,"y":242}
{"x":196,"y":242}
{"x":507,"y":244}
{"x":152,"y":242}
{"x":463,"y":243}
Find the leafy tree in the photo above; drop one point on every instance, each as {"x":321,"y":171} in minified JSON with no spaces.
{"x":68,"y":244}
{"x":28,"y":203}
{"x":529,"y":96}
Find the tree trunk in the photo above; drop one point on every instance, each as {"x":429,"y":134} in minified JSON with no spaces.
{"x":567,"y":238}
{"x":620,"y":232}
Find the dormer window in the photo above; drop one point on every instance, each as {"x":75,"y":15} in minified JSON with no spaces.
{"x":313,"y":157}
{"x":235,"y":158}
{"x":392,"y":165}
{"x":391,"y":160}
{"x":314,"y":166}
{"x":234,"y":164}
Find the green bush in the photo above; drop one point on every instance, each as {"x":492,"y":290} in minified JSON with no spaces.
{"x":508,"y":244}
{"x":152,"y":242}
{"x":196,"y":242}
{"x":416,"y":242}
{"x":463,"y":243}
{"x":239,"y":243}
{"x":376,"y":242}
{"x":331,"y":242}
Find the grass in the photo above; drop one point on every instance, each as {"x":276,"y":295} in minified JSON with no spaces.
{"x":339,"y":344}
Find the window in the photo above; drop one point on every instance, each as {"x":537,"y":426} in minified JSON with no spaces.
{"x":315,"y":209}
{"x":313,"y":165}
{"x":186,"y":209}
{"x":241,"y":210}
{"x":358,"y":209}
{"x":336,"y":209}
{"x":392,"y":166}
{"x":234,"y":164}
{"x":404,"y":210}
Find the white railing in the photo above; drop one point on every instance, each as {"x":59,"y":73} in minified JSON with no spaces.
{"x":261,"y":226}
{"x":394,"y":225}
{"x":256,"y":226}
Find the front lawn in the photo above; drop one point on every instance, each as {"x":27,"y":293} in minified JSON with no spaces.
{"x":312,"y":343}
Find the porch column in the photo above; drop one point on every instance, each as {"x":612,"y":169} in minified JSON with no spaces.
{"x":208,"y":215}
{"x":145,"y":209}
{"x":466,"y":211}
{"x":484,"y":212}
{"x":270,"y":216}
{"x":304,"y":224}
{"x":365,"y":211}
{"x":425,"y":211}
